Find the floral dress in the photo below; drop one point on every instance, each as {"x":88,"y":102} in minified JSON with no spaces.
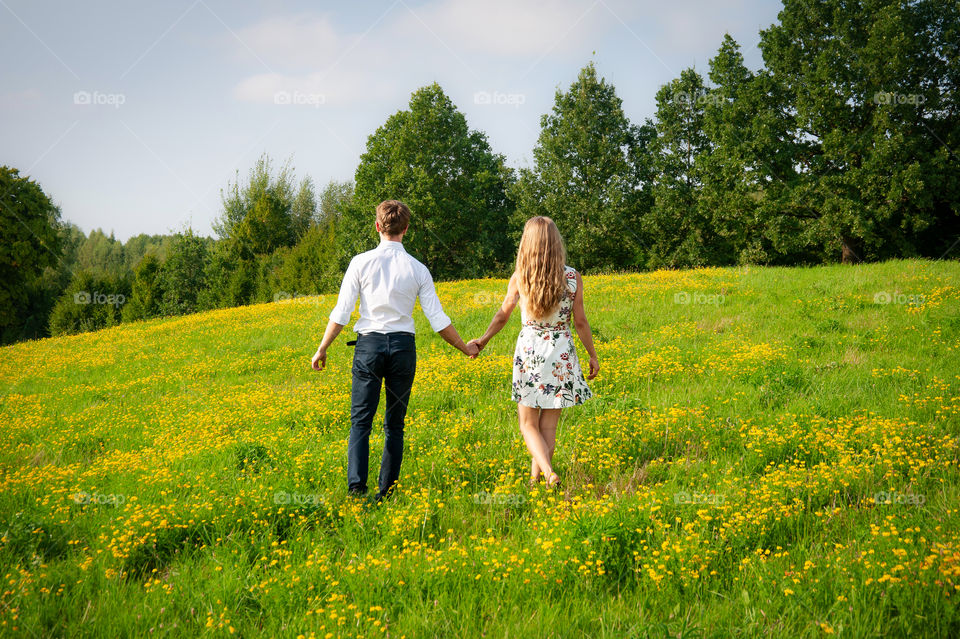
{"x":546,"y":370}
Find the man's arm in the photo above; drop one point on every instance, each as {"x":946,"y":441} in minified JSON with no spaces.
{"x":339,"y":316}
{"x":452,"y":337}
{"x":439,"y":321}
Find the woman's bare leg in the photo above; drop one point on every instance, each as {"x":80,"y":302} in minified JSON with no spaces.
{"x":530,"y":429}
{"x":549,"y":418}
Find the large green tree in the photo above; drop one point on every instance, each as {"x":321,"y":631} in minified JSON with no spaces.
{"x":681,"y":231}
{"x":183,"y":278}
{"x":264,"y":214}
{"x":741,"y":168}
{"x":29,"y":223}
{"x":590,"y":174}
{"x":867,"y":95}
{"x":455,"y":185}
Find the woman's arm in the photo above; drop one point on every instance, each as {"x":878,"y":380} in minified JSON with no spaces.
{"x":502,"y":315}
{"x":583,"y":328}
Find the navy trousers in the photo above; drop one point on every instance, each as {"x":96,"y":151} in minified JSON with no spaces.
{"x":386,"y":360}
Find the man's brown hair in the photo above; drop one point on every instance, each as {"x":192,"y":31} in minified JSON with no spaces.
{"x":394,"y":217}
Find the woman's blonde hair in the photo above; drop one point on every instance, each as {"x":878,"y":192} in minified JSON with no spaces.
{"x":540,"y":267}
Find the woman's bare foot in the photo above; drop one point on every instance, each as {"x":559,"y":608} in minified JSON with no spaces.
{"x":553,"y":480}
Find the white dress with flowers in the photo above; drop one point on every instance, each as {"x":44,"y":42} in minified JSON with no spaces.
{"x":546,"y":370}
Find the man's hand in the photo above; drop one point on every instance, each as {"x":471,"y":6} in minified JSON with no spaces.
{"x":319,"y":361}
{"x":594,"y":368}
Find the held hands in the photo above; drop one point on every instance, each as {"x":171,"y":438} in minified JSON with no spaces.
{"x":472,"y":349}
{"x":475,"y":346}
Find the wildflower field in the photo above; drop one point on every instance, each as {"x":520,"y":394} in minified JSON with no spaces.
{"x":770,"y":452}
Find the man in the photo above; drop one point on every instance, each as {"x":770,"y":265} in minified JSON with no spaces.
{"x":388,"y":281}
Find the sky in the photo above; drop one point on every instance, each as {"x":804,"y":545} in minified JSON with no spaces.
{"x":132,"y":116}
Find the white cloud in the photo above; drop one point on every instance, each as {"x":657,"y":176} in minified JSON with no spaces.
{"x":307,"y":55}
{"x":510,"y":27}
{"x":293,"y":41}
{"x":336,"y":88}
{"x":310,"y":55}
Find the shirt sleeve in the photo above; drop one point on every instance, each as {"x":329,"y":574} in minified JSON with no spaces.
{"x":347,"y":300}
{"x":430,"y":303}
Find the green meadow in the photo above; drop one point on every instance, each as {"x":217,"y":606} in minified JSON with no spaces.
{"x":770,"y":452}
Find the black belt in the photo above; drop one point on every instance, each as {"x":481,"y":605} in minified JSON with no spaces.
{"x":353,"y":342}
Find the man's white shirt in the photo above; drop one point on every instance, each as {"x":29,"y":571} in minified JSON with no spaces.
{"x":388,"y":281}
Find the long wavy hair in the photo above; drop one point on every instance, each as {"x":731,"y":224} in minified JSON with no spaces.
{"x":540,"y":267}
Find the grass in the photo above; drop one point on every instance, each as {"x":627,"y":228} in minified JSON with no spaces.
{"x":770,"y":452}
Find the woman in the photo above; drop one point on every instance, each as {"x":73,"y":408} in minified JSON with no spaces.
{"x":546,"y":372}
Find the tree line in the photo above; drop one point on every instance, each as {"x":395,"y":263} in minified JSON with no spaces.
{"x":840,"y":148}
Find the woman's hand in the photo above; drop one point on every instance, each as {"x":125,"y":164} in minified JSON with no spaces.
{"x":594,"y":367}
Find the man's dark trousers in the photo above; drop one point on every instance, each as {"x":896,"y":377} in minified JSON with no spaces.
{"x":388,"y":359}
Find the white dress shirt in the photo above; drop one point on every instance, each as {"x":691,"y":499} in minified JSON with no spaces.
{"x":388,"y":281}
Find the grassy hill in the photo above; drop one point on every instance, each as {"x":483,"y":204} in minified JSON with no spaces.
{"x":771,"y":451}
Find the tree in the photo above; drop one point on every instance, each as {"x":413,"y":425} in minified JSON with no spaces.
{"x":141,"y":245}
{"x":455,"y":185}
{"x":260,"y":217}
{"x":737,"y":194}
{"x":311,"y":267}
{"x":183,"y":277}
{"x":681,"y":232}
{"x":335,"y":198}
{"x":102,"y":253}
{"x":92,"y":301}
{"x":257,"y":220}
{"x":868,"y":93}
{"x":30,"y":224}
{"x":590,"y":175}
{"x":231,"y":277}
{"x":146,"y":294}
{"x":303,"y":211}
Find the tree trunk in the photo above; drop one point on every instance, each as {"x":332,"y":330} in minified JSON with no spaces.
{"x":849,"y":253}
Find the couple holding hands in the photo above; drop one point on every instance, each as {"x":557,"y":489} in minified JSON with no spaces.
{"x":546,"y":371}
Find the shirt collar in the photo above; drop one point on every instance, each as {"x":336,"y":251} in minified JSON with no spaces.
{"x":388,"y":244}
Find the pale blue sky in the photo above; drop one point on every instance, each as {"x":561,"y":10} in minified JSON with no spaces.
{"x":133,"y":115}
